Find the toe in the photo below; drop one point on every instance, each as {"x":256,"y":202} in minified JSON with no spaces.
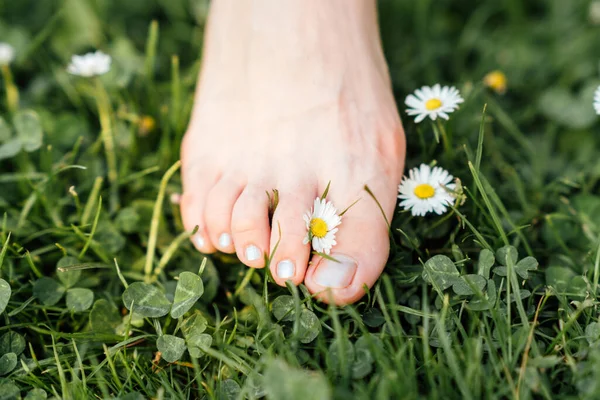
{"x":219,"y":207}
{"x":361,"y":251}
{"x":192,"y":204}
{"x":250,"y":226}
{"x":290,"y":258}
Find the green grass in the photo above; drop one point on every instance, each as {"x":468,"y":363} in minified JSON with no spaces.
{"x":497,"y":299}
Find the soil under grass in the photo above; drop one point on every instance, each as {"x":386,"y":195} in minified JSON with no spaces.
{"x":495,"y":299}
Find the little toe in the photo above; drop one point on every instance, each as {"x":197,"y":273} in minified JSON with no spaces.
{"x":250,"y":226}
{"x":361,"y":251}
{"x":219,"y":208}
{"x":290,"y":259}
{"x":192,"y":204}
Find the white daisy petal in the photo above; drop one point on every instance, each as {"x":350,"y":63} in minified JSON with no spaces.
{"x":321,"y":225}
{"x":426,"y":190}
{"x":7,"y":53}
{"x":90,"y":64}
{"x":597,"y":101}
{"x":434,"y":102}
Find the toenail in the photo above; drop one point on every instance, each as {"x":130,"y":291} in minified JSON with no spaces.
{"x":252,"y":253}
{"x":335,"y":274}
{"x":285,"y":269}
{"x":199,"y":241}
{"x":225,"y":240}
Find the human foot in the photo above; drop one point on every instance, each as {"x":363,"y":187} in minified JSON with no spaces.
{"x":293,"y":95}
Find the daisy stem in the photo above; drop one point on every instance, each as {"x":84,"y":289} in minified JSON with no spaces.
{"x":442,"y":130}
{"x":12,"y":93}
{"x":109,"y":144}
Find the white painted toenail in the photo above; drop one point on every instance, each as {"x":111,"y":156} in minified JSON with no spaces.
{"x":252,"y":253}
{"x":285,"y":269}
{"x":199,"y":241}
{"x":225,"y":240}
{"x":333,"y":274}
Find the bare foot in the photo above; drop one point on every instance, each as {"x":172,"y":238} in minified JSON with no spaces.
{"x":293,"y":95}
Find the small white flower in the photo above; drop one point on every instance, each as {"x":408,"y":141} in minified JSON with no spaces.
{"x":433,"y":102}
{"x":597,"y":100}
{"x":321,"y":225}
{"x":7,"y":53}
{"x":90,"y":64}
{"x":426,"y":190}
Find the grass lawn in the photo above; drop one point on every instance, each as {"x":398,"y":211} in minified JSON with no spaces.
{"x":498,"y":298}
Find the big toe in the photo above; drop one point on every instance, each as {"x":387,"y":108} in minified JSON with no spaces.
{"x":361,"y":252}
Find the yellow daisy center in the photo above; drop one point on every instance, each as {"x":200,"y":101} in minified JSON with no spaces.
{"x":318,"y":228}
{"x":424,"y":191}
{"x":496,"y":81}
{"x":433,"y":104}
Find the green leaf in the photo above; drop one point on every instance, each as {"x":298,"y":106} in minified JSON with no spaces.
{"x":29,"y":130}
{"x":128,"y":220}
{"x":189,"y":290}
{"x":9,"y":391}
{"x":5,"y":292}
{"x":36,"y":394}
{"x":79,"y":299}
{"x":12,"y":342}
{"x":559,"y":277}
{"x":507,"y":253}
{"x":577,"y":288}
{"x":525,"y":265}
{"x":523,"y":294}
{"x":104,"y":317}
{"x":48,"y":291}
{"x":486,"y":262}
{"x":341,"y":355}
{"x":490,"y":295}
{"x":592,"y":332}
{"x":146,"y":299}
{"x":229,"y":390}
{"x":463,"y":286}
{"x":5,"y":131}
{"x":441,"y":271}
{"x":194,"y":325}
{"x":283,"y":381}
{"x":363,"y":361}
{"x":309,"y":326}
{"x":8,"y":362}
{"x":10,"y":149}
{"x":70,"y":277}
{"x":197,"y":343}
{"x":171,"y":347}
{"x":373,"y":318}
{"x":283,"y":308}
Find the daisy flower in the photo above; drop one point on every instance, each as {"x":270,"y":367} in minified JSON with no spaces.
{"x":433,"y":102}
{"x":426,"y":190}
{"x":7,"y":53}
{"x":496,"y":80}
{"x":90,"y":64}
{"x":321,"y":225}
{"x":597,"y":100}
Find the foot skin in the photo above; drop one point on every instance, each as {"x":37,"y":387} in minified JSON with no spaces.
{"x":293,"y":95}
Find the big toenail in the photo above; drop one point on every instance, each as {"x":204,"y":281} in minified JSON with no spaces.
{"x":285,"y":269}
{"x":199,"y":241}
{"x":225,"y":240}
{"x":252,"y":253}
{"x":335,"y":274}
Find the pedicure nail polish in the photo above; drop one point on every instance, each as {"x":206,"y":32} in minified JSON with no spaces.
{"x":252,"y":253}
{"x":199,"y":241}
{"x":333,"y":274}
{"x":225,"y":240}
{"x":285,"y":269}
